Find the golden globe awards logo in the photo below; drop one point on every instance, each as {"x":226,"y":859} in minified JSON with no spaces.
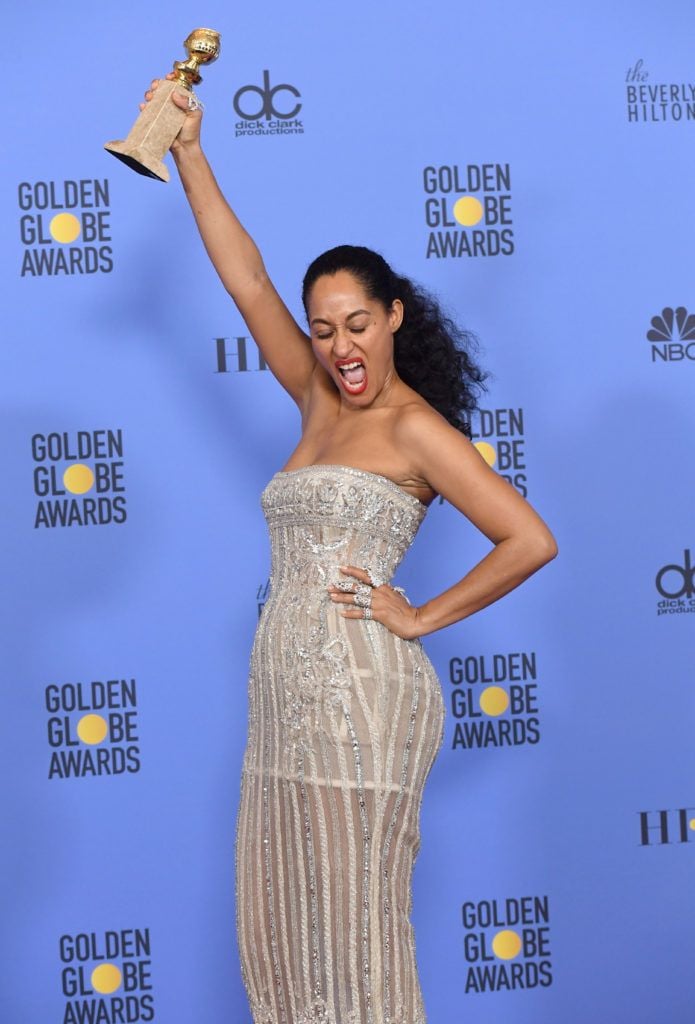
{"x":672,"y":336}
{"x":78,"y":478}
{"x":506,"y":944}
{"x":65,"y":227}
{"x":468,"y":210}
{"x":92,"y":728}
{"x":652,"y":101}
{"x":107,"y":976}
{"x":494,"y":700}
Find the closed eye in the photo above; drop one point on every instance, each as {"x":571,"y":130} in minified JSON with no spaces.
{"x":353,"y":330}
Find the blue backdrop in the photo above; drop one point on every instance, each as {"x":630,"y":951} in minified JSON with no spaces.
{"x":533,"y":166}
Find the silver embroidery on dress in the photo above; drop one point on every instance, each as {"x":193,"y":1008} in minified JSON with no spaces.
{"x":345,"y":721}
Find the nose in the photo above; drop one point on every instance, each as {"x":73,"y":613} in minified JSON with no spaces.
{"x":342,"y":343}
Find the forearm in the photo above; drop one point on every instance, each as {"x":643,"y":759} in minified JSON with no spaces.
{"x":508,"y":564}
{"x":233,"y":252}
{"x":237,"y":260}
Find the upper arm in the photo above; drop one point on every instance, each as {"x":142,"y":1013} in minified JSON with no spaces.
{"x":454,"y":468}
{"x":285,"y":347}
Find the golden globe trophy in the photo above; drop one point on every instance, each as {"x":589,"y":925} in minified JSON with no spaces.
{"x":160,"y":122}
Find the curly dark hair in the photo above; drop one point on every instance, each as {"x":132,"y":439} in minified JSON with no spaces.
{"x":432,"y":354}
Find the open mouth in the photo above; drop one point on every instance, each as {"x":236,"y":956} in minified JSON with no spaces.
{"x":353,"y":375}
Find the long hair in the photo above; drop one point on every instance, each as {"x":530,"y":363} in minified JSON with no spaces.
{"x":432,"y":354}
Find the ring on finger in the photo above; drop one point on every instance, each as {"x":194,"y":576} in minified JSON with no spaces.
{"x":363,"y":600}
{"x":375,"y":579}
{"x":366,"y":613}
{"x":363,"y":588}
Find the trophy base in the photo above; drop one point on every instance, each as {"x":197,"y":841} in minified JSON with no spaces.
{"x":152,"y":133}
{"x":139,"y":160}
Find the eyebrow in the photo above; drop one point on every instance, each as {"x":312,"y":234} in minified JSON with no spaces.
{"x":358,"y":312}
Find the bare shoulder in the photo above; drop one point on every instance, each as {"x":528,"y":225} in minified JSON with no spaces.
{"x":440,"y":454}
{"x":419,"y":428}
{"x":417,"y":415}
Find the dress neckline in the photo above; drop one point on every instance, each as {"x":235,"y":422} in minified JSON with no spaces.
{"x":357,"y":472}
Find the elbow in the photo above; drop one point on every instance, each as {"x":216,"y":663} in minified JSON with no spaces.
{"x":547,"y":548}
{"x":538,"y":549}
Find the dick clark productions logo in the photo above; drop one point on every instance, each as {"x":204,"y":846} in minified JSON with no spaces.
{"x":268,"y":110}
{"x":675,"y":583}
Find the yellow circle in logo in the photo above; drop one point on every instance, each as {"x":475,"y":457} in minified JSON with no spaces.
{"x":506,"y":944}
{"x":494,"y":700}
{"x":92,"y":729}
{"x":691,"y":824}
{"x":468,"y":211}
{"x":78,"y":479}
{"x":487,"y":452}
{"x":65,"y":227}
{"x":106,"y":978}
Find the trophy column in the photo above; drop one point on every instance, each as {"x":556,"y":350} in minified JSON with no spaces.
{"x":152,"y":134}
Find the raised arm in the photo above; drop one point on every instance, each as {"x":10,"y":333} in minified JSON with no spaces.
{"x":285,"y":346}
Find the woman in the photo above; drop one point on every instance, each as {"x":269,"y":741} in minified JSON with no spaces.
{"x":345,"y":710}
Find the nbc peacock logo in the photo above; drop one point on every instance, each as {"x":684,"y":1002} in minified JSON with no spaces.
{"x":672,"y":335}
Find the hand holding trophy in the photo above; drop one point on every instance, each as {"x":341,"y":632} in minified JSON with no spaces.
{"x":160,"y":120}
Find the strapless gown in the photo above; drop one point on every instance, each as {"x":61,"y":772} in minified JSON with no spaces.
{"x":345,"y":720}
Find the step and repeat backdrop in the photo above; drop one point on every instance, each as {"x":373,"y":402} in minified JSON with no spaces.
{"x":532,"y":165}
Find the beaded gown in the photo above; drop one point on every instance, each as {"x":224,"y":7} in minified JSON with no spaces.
{"x":345,"y":722}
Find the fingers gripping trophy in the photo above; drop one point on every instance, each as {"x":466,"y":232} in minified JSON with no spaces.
{"x":160,"y":121}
